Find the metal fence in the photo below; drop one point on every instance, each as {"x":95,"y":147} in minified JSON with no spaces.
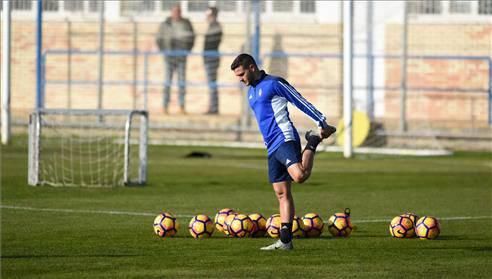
{"x":420,"y":67}
{"x":271,"y":60}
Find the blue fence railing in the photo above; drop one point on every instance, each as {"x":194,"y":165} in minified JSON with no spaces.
{"x":146,"y":82}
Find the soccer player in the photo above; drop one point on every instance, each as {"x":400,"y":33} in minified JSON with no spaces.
{"x":268,"y":96}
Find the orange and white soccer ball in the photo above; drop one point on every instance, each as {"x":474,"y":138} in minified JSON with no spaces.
{"x":259,"y":222}
{"x":402,"y":227}
{"x":241,"y":226}
{"x":227,"y":223}
{"x":412,"y":217}
{"x":339,"y":224}
{"x":313,"y":225}
{"x":165,"y":225}
{"x":220,"y":218}
{"x":428,"y":227}
{"x":297,"y":227}
{"x":273,"y":226}
{"x":201,"y":226}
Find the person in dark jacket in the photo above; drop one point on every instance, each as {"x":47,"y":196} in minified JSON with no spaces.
{"x":175,"y":38}
{"x":211,"y":57}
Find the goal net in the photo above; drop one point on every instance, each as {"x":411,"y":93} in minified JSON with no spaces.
{"x":91,"y":148}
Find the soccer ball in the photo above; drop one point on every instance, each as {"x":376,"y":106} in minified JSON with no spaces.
{"x":220,"y":218}
{"x":412,"y":217}
{"x":313,"y":224}
{"x":402,"y":227}
{"x":297,"y":227}
{"x":165,"y":225}
{"x":259,"y":222}
{"x":241,"y":226}
{"x":227,"y":223}
{"x":428,"y":228}
{"x":339,"y":224}
{"x":273,"y":225}
{"x":201,"y":226}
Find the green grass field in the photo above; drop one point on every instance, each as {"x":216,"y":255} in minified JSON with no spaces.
{"x":49,"y":232}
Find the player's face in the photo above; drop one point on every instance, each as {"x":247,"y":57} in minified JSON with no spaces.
{"x":245,"y":75}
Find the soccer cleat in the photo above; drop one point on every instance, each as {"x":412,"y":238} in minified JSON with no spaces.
{"x":279,"y":245}
{"x":331,"y":130}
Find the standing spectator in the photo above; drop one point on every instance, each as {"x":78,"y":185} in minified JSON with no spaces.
{"x":177,"y":36}
{"x":211,"y":57}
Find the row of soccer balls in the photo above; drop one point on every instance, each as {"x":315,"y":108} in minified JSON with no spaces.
{"x":240,"y":225}
{"x":409,"y":225}
{"x":234,"y":224}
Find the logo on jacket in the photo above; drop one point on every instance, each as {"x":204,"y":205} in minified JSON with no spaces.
{"x":259,"y":93}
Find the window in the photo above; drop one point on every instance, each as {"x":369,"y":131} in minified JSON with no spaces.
{"x":50,"y":5}
{"x":227,"y":6}
{"x":460,"y":7}
{"x":147,"y":5}
{"x":485,"y":7}
{"x":23,"y":5}
{"x":73,"y":6}
{"x":95,"y":5}
{"x":283,"y":6}
{"x":246,"y":3}
{"x":308,"y":6}
{"x":197,"y":6}
{"x":166,"y":5}
{"x":424,"y":7}
{"x":135,"y":7}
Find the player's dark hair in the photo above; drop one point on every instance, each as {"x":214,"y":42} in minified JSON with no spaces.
{"x":244,"y":60}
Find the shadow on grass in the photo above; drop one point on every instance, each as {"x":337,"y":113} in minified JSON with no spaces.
{"x":454,"y":237}
{"x":481,"y":249}
{"x":68,"y":256}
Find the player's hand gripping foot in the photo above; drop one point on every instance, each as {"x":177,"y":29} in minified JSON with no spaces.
{"x":325,"y":132}
{"x":311,"y":135}
{"x":279,"y":245}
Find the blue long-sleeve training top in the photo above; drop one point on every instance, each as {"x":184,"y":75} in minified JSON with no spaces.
{"x":268,"y":98}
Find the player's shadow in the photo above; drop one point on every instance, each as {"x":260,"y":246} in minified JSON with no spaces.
{"x":481,"y":249}
{"x":452,"y":237}
{"x":68,"y":256}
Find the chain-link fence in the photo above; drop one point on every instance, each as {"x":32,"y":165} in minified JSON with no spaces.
{"x":422,"y":69}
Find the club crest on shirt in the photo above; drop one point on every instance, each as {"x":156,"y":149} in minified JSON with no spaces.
{"x":260,"y":92}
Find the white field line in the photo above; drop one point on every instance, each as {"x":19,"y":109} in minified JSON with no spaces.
{"x":129,"y":213}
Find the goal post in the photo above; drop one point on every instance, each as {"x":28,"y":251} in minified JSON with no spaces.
{"x":92,"y":148}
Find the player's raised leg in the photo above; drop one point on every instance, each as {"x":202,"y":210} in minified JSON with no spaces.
{"x":301,"y":171}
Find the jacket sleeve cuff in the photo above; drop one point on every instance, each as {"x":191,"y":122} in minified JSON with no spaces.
{"x":322,"y":124}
